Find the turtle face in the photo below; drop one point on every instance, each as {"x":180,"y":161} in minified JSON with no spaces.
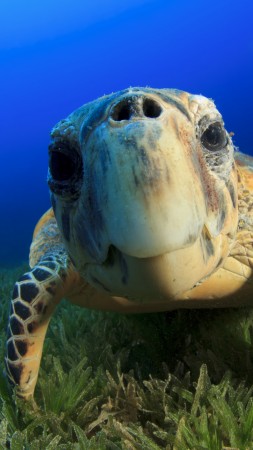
{"x":144,"y":191}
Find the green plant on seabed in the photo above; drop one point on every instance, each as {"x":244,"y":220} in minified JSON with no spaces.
{"x":180,"y":380}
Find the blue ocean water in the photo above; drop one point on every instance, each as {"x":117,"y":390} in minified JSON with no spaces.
{"x":55,"y":56}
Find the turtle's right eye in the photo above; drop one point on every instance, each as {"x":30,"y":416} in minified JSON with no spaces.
{"x":65,"y":170}
{"x":62,"y":166}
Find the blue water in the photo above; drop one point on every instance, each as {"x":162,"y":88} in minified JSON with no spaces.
{"x":55,"y":56}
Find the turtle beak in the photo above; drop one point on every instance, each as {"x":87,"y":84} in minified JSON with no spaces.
{"x":140,"y":170}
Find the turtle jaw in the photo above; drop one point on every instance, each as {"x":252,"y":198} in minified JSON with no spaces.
{"x":163,"y":277}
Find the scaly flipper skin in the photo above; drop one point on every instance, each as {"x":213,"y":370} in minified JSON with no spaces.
{"x":34,"y":299}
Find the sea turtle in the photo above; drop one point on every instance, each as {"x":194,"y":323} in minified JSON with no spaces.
{"x":152,"y":210}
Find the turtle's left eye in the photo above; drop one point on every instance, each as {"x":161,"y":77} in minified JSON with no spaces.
{"x":214,"y":137}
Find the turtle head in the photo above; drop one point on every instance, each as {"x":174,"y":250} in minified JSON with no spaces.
{"x":144,"y":191}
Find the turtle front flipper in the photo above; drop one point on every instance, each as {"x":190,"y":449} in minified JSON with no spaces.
{"x":34,"y":299}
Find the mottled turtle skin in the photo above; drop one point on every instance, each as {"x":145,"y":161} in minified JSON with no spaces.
{"x":151,"y":211}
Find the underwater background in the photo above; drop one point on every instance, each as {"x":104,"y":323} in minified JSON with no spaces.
{"x":181,"y":380}
{"x":57,"y":55}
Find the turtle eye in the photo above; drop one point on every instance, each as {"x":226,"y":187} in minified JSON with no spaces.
{"x":214,"y":137}
{"x":64,"y":162}
{"x":62,"y":166}
{"x":65,"y":170}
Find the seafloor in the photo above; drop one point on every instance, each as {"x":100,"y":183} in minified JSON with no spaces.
{"x":180,"y":380}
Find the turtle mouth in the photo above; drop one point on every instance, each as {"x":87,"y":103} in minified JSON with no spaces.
{"x":160,"y":277}
{"x":205,"y":236}
{"x":117,"y":255}
{"x":112,"y":253}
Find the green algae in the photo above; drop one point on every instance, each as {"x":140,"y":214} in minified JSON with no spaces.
{"x":180,"y":380}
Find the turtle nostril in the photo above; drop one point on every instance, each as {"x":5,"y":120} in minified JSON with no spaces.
{"x":122,"y":111}
{"x":151,"y":108}
{"x":135,"y":108}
